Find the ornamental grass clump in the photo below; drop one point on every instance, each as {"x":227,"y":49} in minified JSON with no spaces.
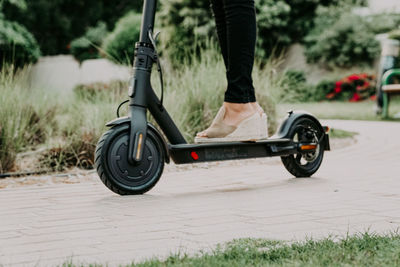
{"x":26,"y":116}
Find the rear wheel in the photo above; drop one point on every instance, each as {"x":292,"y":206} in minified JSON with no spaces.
{"x":117,"y":173}
{"x":305,"y":130}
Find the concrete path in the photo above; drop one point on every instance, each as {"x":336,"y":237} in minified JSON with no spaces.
{"x":356,"y":189}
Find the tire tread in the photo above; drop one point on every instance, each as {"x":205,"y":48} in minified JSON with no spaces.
{"x":99,"y":161}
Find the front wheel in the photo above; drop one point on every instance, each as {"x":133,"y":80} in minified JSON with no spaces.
{"x":117,"y":173}
{"x":305,"y":164}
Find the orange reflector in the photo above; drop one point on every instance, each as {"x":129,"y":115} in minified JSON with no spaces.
{"x":139,"y":146}
{"x":308,"y":147}
{"x":194,"y":155}
{"x":327,"y":129}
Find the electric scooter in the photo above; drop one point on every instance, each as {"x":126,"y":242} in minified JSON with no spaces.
{"x":130,"y":156}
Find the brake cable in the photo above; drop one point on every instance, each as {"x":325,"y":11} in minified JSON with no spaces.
{"x":157,"y":59}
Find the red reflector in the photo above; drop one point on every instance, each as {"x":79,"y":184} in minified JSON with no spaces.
{"x":194,"y":155}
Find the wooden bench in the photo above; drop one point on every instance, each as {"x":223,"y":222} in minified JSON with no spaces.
{"x":389,"y":90}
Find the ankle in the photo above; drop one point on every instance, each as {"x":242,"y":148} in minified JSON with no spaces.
{"x":238,"y":107}
{"x":257,"y":107}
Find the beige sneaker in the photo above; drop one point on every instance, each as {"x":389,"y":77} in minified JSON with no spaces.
{"x":251,"y":129}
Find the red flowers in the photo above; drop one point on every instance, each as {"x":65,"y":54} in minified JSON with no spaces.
{"x":353,"y":77}
{"x":356,"y":97}
{"x":355,"y":87}
{"x":338,"y":87}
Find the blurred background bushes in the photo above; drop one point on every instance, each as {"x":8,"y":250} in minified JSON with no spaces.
{"x":17,"y":44}
{"x":56,"y":23}
{"x":87,"y":46}
{"x":119,"y":45}
{"x":341,"y":39}
{"x":333,"y":35}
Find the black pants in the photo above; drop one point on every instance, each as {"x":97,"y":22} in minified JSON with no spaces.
{"x":236,"y":29}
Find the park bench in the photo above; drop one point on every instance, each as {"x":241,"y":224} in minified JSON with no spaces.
{"x":389,"y":89}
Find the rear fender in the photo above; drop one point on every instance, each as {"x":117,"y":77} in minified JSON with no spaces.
{"x":292,"y":118}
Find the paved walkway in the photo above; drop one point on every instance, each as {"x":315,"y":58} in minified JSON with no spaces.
{"x":356,"y":189}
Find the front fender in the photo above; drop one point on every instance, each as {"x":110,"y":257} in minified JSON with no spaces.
{"x":151,"y":127}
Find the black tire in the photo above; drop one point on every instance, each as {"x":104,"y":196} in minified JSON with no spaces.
{"x":114,"y":170}
{"x":311,"y":161}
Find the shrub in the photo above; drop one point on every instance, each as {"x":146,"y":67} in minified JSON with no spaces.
{"x":86,"y":47}
{"x":17,"y":45}
{"x":353,"y":88}
{"x":342,"y":40}
{"x":189,"y":24}
{"x":25,"y":116}
{"x":294,"y":87}
{"x":323,"y":88}
{"x":120,"y":43}
{"x":395,"y":34}
{"x":383,"y":23}
{"x":273,"y":18}
{"x":55,"y":23}
{"x":78,"y":152}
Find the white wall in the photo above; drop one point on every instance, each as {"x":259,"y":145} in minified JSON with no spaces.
{"x":384,"y":5}
{"x":63,"y":73}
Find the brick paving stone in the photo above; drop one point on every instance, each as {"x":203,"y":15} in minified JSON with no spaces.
{"x":193,"y":209}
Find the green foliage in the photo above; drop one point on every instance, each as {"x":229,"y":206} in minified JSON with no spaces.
{"x":341,"y":134}
{"x":55,"y":23}
{"x":187,"y":25}
{"x":86,"y":47}
{"x":273,"y":18}
{"x":323,"y":88}
{"x":294,"y":87}
{"x":120,"y":43}
{"x":21,"y":4}
{"x":395,"y":34}
{"x":17,"y":45}
{"x":383,"y":23}
{"x":25,"y":116}
{"x":341,"y":39}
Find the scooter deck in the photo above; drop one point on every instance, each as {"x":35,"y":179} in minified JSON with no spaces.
{"x":193,"y":153}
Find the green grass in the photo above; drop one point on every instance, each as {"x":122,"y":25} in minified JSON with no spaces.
{"x":25,"y":116}
{"x":340,"y":110}
{"x":341,"y":134}
{"x":360,"y":250}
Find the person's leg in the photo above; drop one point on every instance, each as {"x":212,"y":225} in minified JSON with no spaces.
{"x":241,"y":34}
{"x":235,"y":94}
{"x":240,"y":24}
{"x":236,"y":29}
